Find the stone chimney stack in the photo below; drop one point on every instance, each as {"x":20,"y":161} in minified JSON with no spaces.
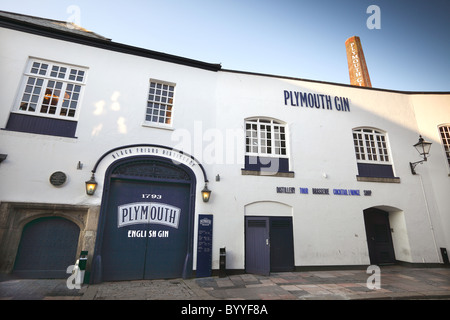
{"x":357,"y":68}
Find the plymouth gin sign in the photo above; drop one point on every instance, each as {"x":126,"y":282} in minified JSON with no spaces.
{"x":148,"y":213}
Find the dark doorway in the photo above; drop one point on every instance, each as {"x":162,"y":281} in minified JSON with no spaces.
{"x":281,"y":244}
{"x":379,"y":239}
{"x":47,"y":247}
{"x":269,"y":245}
{"x":147,"y":230}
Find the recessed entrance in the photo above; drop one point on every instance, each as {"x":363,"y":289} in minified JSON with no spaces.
{"x":146,"y":220}
{"x":269,"y":245}
{"x":47,"y":247}
{"x":379,"y":239}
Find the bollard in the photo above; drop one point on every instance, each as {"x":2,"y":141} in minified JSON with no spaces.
{"x":82,"y":261}
{"x":445,"y":256}
{"x":222,"y":263}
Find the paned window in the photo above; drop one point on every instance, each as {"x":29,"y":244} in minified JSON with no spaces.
{"x":160,"y":103}
{"x":266,"y":150}
{"x":49,"y":99}
{"x":445,"y":136}
{"x":265,"y":137}
{"x":370,"y":145}
{"x":51,"y":89}
{"x":372,"y":156}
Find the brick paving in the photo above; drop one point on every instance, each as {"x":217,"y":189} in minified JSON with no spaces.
{"x":397,"y":282}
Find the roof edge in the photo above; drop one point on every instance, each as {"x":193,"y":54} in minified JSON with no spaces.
{"x":106,"y":44}
{"x":334,"y":83}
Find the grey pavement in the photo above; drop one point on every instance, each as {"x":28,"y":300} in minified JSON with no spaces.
{"x":396,"y":282}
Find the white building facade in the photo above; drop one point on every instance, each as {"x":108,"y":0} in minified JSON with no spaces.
{"x":303,"y":174}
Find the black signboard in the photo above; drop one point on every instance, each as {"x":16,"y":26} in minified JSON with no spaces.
{"x":204,"y":245}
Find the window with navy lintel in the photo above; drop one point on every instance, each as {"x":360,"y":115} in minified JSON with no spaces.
{"x":372,"y":155}
{"x":49,"y":99}
{"x":266,"y":149}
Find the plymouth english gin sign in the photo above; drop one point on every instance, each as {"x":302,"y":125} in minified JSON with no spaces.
{"x":148,"y":213}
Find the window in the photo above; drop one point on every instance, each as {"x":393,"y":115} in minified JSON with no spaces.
{"x":372,"y":155}
{"x":265,"y":137}
{"x":49,"y":99}
{"x":370,"y":145}
{"x":445,"y":136}
{"x":160,"y":103}
{"x":266,"y":147}
{"x":52,"y":90}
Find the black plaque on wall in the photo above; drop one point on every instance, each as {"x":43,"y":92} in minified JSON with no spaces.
{"x":58,"y":178}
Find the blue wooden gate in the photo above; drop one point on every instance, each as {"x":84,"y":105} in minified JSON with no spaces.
{"x":47,"y":247}
{"x":147,"y":232}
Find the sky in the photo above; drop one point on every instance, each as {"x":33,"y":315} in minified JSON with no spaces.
{"x":406,"y":43}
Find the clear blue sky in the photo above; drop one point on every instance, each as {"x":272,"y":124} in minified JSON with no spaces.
{"x":297,"y":38}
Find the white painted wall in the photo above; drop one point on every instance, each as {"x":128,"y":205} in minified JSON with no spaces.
{"x":330,"y":229}
{"x":209,"y":114}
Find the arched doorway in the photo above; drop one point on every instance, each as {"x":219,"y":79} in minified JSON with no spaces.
{"x":47,"y":247}
{"x":269,"y":238}
{"x":379,"y":238}
{"x":269,"y":245}
{"x":146,"y":221}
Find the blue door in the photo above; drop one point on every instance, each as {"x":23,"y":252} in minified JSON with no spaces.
{"x":257,"y":248}
{"x":147,"y":232}
{"x":167,"y":245}
{"x":269,"y":245}
{"x":281,"y":244}
{"x":47,"y":247}
{"x":123,"y":257}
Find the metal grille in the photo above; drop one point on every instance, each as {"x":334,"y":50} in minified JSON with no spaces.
{"x":152,"y":169}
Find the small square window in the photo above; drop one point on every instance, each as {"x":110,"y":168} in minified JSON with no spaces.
{"x":160,"y":103}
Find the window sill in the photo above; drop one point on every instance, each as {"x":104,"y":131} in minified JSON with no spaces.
{"x":377,"y":179}
{"x":156,"y":126}
{"x":245,"y":172}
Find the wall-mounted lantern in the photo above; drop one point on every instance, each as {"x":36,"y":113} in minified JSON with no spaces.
{"x":91,"y":186}
{"x":423,"y":147}
{"x":206,"y":193}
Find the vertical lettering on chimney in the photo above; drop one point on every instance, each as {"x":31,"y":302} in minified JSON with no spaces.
{"x":357,"y":67}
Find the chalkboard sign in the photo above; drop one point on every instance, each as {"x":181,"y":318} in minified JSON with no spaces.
{"x":204,"y":245}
